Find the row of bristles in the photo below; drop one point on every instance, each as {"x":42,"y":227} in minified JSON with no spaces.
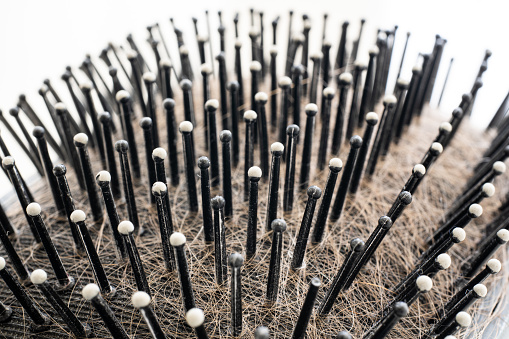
{"x":360,"y":253}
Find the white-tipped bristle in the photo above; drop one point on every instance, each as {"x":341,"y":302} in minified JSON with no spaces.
{"x":481,"y":290}
{"x":86,"y":85}
{"x":195,"y":317}
{"x":159,"y":187}
{"x":327,"y":43}
{"x":328,"y":91}
{"x":33,"y":209}
{"x":261,"y":96}
{"x":450,"y":337}
{"x":104,"y":176}
{"x":444,"y":260}
{"x":475,"y":209}
{"x":273,"y":49}
{"x":77,"y":216}
{"x":459,"y":233}
{"x":346,"y":77}
{"x":255,"y":66}
{"x":419,"y":168}
{"x":165,"y":62}
{"x":159,"y":152}
{"x":140,"y":299}
{"x":416,"y":68}
{"x":90,"y":291}
{"x":212,"y":103}
{"x":336,"y":162}
{"x":205,"y":68}
{"x":361,"y":63}
{"x":149,"y":76}
{"x":372,"y":116}
{"x":311,"y":107}
{"x":81,"y":138}
{"x":186,"y":126}
{"x":60,"y":106}
{"x":488,"y":189}
{"x":307,"y":24}
{"x":255,"y":172}
{"x":125,"y":227}
{"x":38,"y":277}
{"x":238,"y":43}
{"x":445,"y":126}
{"x":402,"y":82}
{"x":317,"y":55}
{"x":2,"y":263}
{"x":503,"y":234}
{"x":299,"y":37}
{"x":122,"y":94}
{"x":285,"y":81}
{"x":424,"y":283}
{"x":463,"y":319}
{"x":183,"y":50}
{"x":494,"y":265}
{"x":390,"y":99}
{"x":177,"y":239}
{"x":202,"y":38}
{"x":374,"y":50}
{"x":253,"y":31}
{"x":499,"y":167}
{"x":44,"y":88}
{"x":277,"y":147}
{"x":437,"y":147}
{"x":131,"y":54}
{"x":250,"y":115}
{"x":7,"y":161}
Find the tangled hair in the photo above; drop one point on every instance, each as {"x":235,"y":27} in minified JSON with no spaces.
{"x":354,"y":311}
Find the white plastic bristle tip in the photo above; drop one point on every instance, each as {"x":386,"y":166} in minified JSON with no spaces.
{"x":205,"y":68}
{"x":186,"y":126}
{"x":165,"y":62}
{"x":255,"y":172}
{"x":195,"y":317}
{"x":104,"y":176}
{"x":475,"y":209}
{"x":437,"y":147}
{"x":140,"y":299}
{"x":488,"y":189}
{"x":371,"y":116}
{"x":499,"y":167}
{"x":159,"y":187}
{"x":444,"y":260}
{"x":311,"y":107}
{"x":445,"y":126}
{"x":86,"y":85}
{"x":212,"y":103}
{"x":346,"y":77}
{"x":8,"y":160}
{"x":481,"y":290}
{"x":250,"y":115}
{"x":159,"y":153}
{"x":90,"y":291}
{"x":33,"y":209}
{"x":459,"y":233}
{"x":328,"y":91}
{"x":419,"y":168}
{"x":38,"y":277}
{"x":390,"y":99}
{"x":463,"y":319}
{"x":335,"y":162}
{"x":503,"y":234}
{"x":277,"y":147}
{"x":255,"y":66}
{"x":494,"y":265}
{"x":261,"y":96}
{"x":424,"y":283}
{"x":2,"y":263}
{"x":285,"y":81}
{"x":122,"y":94}
{"x":77,"y":216}
{"x":177,"y":239}
{"x":149,"y":76}
{"x":374,"y":50}
{"x":81,"y":138}
{"x":125,"y":227}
